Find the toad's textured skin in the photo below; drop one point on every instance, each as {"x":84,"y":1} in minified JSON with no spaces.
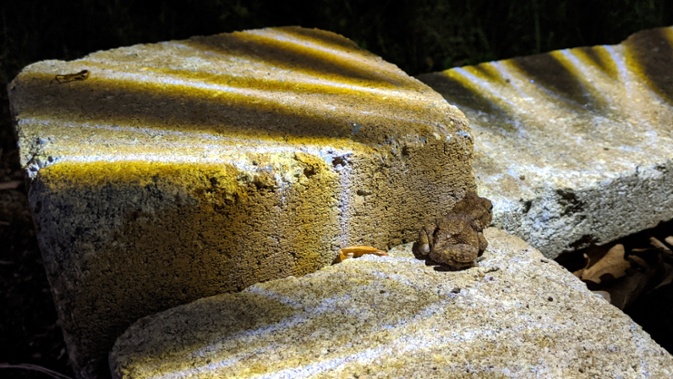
{"x":456,"y":240}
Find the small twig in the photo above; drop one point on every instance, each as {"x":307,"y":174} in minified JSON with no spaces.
{"x":666,"y":252}
{"x":659,"y":245}
{"x":669,"y":240}
{"x":28,"y":366}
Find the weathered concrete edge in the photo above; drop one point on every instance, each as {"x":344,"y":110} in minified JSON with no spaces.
{"x":565,"y":219}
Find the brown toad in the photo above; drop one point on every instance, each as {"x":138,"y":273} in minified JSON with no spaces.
{"x":456,"y":240}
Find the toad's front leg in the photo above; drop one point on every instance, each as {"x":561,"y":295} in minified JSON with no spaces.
{"x":423,"y":245}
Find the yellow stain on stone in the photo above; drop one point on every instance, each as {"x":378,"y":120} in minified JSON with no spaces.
{"x":65,"y":175}
{"x":178,"y":231}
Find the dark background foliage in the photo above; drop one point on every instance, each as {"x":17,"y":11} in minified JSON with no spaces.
{"x":418,"y":35}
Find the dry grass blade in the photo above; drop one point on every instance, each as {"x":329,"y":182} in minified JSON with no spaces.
{"x":28,"y":366}
{"x":659,"y":245}
{"x":12,"y":184}
{"x":669,"y":240}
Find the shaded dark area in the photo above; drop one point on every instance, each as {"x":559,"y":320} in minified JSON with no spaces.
{"x":652,"y":305}
{"x":654,"y":313}
{"x":418,"y":36}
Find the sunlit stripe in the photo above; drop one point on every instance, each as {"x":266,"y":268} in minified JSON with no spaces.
{"x":286,"y":99}
{"x":301,"y":81}
{"x":345,"y":55}
{"x":584,"y":71}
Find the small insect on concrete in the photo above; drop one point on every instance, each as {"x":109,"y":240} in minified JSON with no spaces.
{"x":82,"y":75}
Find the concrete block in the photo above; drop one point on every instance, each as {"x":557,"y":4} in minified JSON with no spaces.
{"x":574,"y":146}
{"x":163,"y":173}
{"x":517,"y":315}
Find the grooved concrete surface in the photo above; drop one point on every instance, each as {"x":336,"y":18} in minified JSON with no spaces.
{"x":517,"y":315}
{"x":573,"y":146}
{"x":184,"y":169}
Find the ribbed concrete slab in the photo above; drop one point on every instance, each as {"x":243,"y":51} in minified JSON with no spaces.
{"x":517,"y":315}
{"x":172,"y":171}
{"x":573,"y":146}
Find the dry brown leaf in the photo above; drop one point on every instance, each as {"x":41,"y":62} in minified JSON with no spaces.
{"x":624,"y":292}
{"x":668,"y":276}
{"x":358,"y":251}
{"x":639,"y":278}
{"x":611,"y":266}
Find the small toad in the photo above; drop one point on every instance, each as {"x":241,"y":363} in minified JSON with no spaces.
{"x":457,"y":240}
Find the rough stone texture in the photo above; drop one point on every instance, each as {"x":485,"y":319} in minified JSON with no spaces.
{"x":183,"y":169}
{"x":517,"y":315}
{"x":573,"y":146}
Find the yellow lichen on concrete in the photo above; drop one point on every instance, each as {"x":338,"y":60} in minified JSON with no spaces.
{"x":181,"y":231}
